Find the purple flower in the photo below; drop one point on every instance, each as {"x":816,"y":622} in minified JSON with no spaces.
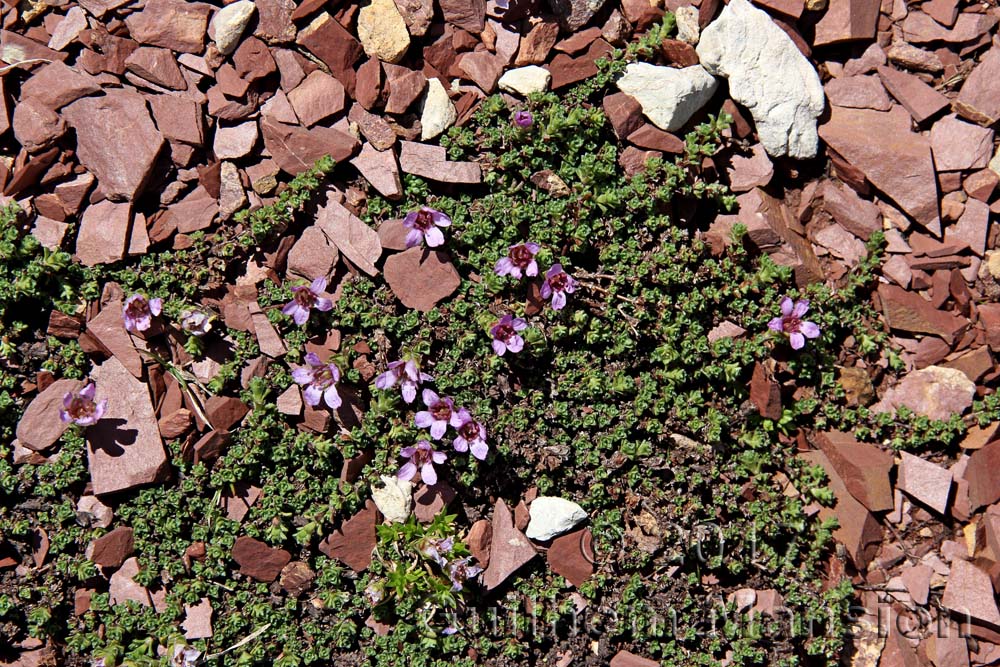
{"x":138,"y":312}
{"x":523,"y":119}
{"x":304,"y":298}
{"x":435,"y":549}
{"x":439,"y":413}
{"x":423,"y":224}
{"x":791,"y":322}
{"x":185,"y":656}
{"x":196,"y":322}
{"x":320,"y":379}
{"x":557,"y":284}
{"x":407,"y":374}
{"x":471,"y":434}
{"x":505,"y":336}
{"x":80,"y":408}
{"x":459,"y":571}
{"x":520,"y":259}
{"x":424,"y":457}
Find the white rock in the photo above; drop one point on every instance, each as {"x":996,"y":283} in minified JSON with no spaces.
{"x":688,"y":29}
{"x":229,"y":23}
{"x":439,"y":112}
{"x":552,"y":516}
{"x":525,"y":80}
{"x":668,"y":96}
{"x":395,"y":499}
{"x":768,"y":75}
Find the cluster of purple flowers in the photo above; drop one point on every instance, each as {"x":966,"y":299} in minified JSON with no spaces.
{"x":440,"y":413}
{"x":520,"y":261}
{"x":470,"y":436}
{"x":459,"y":570}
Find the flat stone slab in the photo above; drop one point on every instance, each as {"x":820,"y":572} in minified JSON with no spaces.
{"x":124,"y":448}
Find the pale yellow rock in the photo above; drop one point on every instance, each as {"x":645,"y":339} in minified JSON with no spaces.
{"x":394,"y":499}
{"x":993,"y":264}
{"x":382,"y":31}
{"x":994,"y":164}
{"x":438,"y":112}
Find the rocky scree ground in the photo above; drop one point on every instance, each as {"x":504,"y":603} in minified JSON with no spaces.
{"x":722,"y":478}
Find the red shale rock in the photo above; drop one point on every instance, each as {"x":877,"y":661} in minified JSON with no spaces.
{"x":111,"y":549}
{"x":917,"y":97}
{"x":847,"y":20}
{"x":479,"y":539}
{"x":514,"y":548}
{"x":980,"y":474}
{"x":572,"y":556}
{"x":197,"y":622}
{"x":173,"y":24}
{"x":297,"y":149}
{"x":919,"y":28}
{"x":381,"y":170}
{"x":979,"y":98}
{"x":468,"y":15}
{"x":258,"y":560}
{"x":859,"y":531}
{"x":124,"y":448}
{"x":108,"y":330}
{"x":858,"y":92}
{"x":428,"y":501}
{"x":104,"y":233}
{"x":936,"y":392}
{"x":40,"y":426}
{"x":858,"y":216}
{"x":863,"y":467}
{"x":960,"y":146}
{"x":123,"y":587}
{"x":353,"y":543}
{"x":420,"y":277}
{"x":356,"y":241}
{"x":765,"y":393}
{"x":312,"y":256}
{"x":55,"y":85}
{"x":908,"y":311}
{"x":122,"y":167}
{"x":969,"y":591}
{"x":925,"y":482}
{"x":432,"y":162}
{"x":628,"y":659}
{"x":329,"y":41}
{"x":319,"y":96}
